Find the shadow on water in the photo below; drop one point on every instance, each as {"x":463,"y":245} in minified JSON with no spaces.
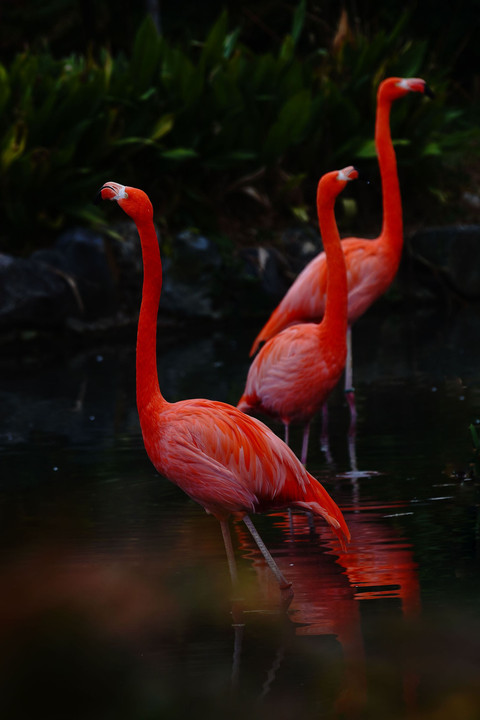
{"x":115,"y":590}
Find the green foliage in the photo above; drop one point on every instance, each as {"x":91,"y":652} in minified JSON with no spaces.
{"x":209,"y":129}
{"x":51,"y":131}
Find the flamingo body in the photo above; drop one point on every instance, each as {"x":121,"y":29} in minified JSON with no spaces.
{"x":294,"y":373}
{"x":228,"y":462}
{"x":371,"y":264}
{"x":371,"y":268}
{"x":296,"y":370}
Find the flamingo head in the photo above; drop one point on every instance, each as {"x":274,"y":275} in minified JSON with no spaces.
{"x":347,"y":173}
{"x":331,"y":184}
{"x":396,"y":87}
{"x":134,"y":202}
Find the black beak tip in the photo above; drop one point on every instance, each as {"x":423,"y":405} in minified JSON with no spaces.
{"x":98,"y":197}
{"x":360,"y":174}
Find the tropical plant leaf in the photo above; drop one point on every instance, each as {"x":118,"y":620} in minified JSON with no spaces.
{"x":214,"y":47}
{"x":4,"y":88}
{"x":298,"y":21}
{"x":178,"y":154}
{"x":145,"y":56}
{"x":289,"y":126}
{"x":211,"y":114}
{"x":13,"y":145}
{"x":163,"y":126}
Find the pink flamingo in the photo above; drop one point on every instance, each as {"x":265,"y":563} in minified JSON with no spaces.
{"x":228,"y":462}
{"x":296,"y":370}
{"x":371,"y":264}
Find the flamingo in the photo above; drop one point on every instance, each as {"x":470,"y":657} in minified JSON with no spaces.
{"x":295,"y":371}
{"x":371,"y":264}
{"x":228,"y":462}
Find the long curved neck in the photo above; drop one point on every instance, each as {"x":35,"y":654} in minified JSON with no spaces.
{"x":392,"y":227}
{"x":146,"y":360}
{"x":335,"y":317}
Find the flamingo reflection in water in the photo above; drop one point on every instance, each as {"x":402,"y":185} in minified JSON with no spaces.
{"x":331,"y":583}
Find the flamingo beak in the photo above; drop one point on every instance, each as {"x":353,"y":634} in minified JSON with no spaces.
{"x":117,"y":190}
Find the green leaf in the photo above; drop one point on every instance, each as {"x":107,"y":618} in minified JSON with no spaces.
{"x":191,"y":83}
{"x":147,"y":94}
{"x":230,"y":43}
{"x":163,"y":126}
{"x":290,"y":124}
{"x":298,"y":21}
{"x":301,"y":213}
{"x":432,"y":148}
{"x":4,"y":88}
{"x":133,"y":141}
{"x":213,"y":49}
{"x":287,"y":49}
{"x":145,"y":55}
{"x":367,"y":150}
{"x":179,"y":154}
{"x":13,"y":145}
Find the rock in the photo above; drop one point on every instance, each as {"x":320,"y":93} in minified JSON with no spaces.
{"x":445,"y":259}
{"x":191,"y":276}
{"x":268,"y":268}
{"x":32,"y":295}
{"x":79,"y":258}
{"x":195,"y":251}
{"x":301,"y":245}
{"x":185,"y":299}
{"x":70,"y":279}
{"x":86,"y":284}
{"x":276,"y":269}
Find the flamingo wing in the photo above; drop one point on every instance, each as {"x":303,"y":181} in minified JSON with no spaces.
{"x":231,"y":463}
{"x":370,"y":271}
{"x":293,"y":374}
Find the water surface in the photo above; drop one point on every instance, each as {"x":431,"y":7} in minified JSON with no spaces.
{"x":116,"y":598}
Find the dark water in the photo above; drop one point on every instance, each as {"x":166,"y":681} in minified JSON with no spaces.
{"x":116,"y":601}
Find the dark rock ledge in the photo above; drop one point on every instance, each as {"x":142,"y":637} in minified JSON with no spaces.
{"x":87,"y":286}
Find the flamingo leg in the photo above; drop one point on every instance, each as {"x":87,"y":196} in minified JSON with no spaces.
{"x":306,"y":435}
{"x":237,"y":609}
{"x":324,"y":433}
{"x":353,"y":414}
{"x":237,"y":653}
{"x":352,"y":451}
{"x":349,"y":389}
{"x":227,"y":540}
{"x":349,"y":364}
{"x":287,"y":437}
{"x":324,"y":443}
{"x":283,"y":582}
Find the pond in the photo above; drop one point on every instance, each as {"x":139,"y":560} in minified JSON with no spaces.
{"x":116,"y":598}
